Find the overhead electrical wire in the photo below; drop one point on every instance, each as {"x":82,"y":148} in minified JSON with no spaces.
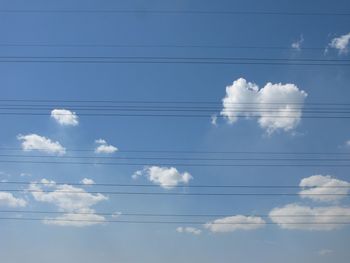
{"x":172,"y":186}
{"x":174,"y":12}
{"x":167,"y":215}
{"x":76,"y":192}
{"x":166,"y":222}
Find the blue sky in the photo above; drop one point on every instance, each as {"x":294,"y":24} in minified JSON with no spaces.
{"x":113,"y":242}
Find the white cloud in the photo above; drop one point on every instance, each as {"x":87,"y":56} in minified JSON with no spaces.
{"x":233,"y":223}
{"x":86,"y":217}
{"x":277,"y":106}
{"x":103,"y":147}
{"x":214,"y":119}
{"x":189,"y":230}
{"x":297,"y":44}
{"x":341,"y":43}
{"x":87,"y":181}
{"x":7,"y":199}
{"x":166,"y":177}
{"x":65,"y":117}
{"x":317,"y":218}
{"x":325,"y":252}
{"x":32,"y":142}
{"x":347,"y":143}
{"x":323,"y":188}
{"x":68,"y":199}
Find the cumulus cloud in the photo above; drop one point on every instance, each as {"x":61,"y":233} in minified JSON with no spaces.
{"x":276,"y":106}
{"x":103,"y":147}
{"x":74,"y":201}
{"x":325,"y":252}
{"x":87,"y":181}
{"x":234,"y":223}
{"x":323,"y":188}
{"x":166,"y":177}
{"x":341,"y":43}
{"x":65,"y":117}
{"x":298,"y":43}
{"x":87,"y":217}
{"x":295,"y":216}
{"x":189,"y":230}
{"x":36,"y":142}
{"x":7,"y":199}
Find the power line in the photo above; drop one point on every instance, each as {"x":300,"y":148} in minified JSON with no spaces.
{"x":175,"y":158}
{"x":171,"y":12}
{"x":175,"y":186}
{"x":51,"y":45}
{"x":166,"y":222}
{"x":176,"y":164}
{"x":166,"y":193}
{"x":163,"y":61}
{"x":191,"y":151}
{"x":177,"y":115}
{"x":169,"y":102}
{"x":168,"y":215}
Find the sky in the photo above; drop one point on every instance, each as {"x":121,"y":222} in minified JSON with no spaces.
{"x":78,"y":232}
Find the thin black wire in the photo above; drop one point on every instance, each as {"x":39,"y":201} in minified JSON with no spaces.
{"x":163,"y":193}
{"x":155,"y":46}
{"x":173,"y":115}
{"x":24,"y":60}
{"x":171,"y":12}
{"x":176,"y":164}
{"x":176,"y":158}
{"x":194,"y":151}
{"x":168,"y":102}
{"x":175,"y":186}
{"x":166,"y":215}
{"x":167,"y":222}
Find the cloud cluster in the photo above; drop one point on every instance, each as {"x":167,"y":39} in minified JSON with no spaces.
{"x":65,"y":117}
{"x":103,"y":147}
{"x":7,"y":199}
{"x":74,"y":201}
{"x":189,"y":230}
{"x":341,"y":43}
{"x":323,"y":188}
{"x":313,"y":218}
{"x":36,"y":142}
{"x":234,"y":223}
{"x":298,"y":43}
{"x":166,"y":177}
{"x":320,"y":188}
{"x":276,"y":106}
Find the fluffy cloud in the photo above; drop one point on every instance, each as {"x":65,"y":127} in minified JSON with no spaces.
{"x":190,"y":230}
{"x":166,"y":177}
{"x":103,"y":147}
{"x":317,"y":219}
{"x":87,"y":181}
{"x":277,"y":106}
{"x":233,"y":223}
{"x":65,"y":117}
{"x":86,"y":217}
{"x":32,"y":142}
{"x":325,"y":252}
{"x":7,"y":199}
{"x":297,"y":44}
{"x":68,"y":199}
{"x":341,"y":43}
{"x":323,"y":188}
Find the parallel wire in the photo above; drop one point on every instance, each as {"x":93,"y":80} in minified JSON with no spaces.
{"x":164,"y":193}
{"x":176,"y":164}
{"x":167,"y":215}
{"x":166,"y":222}
{"x":172,"y":12}
{"x":174,"y":186}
